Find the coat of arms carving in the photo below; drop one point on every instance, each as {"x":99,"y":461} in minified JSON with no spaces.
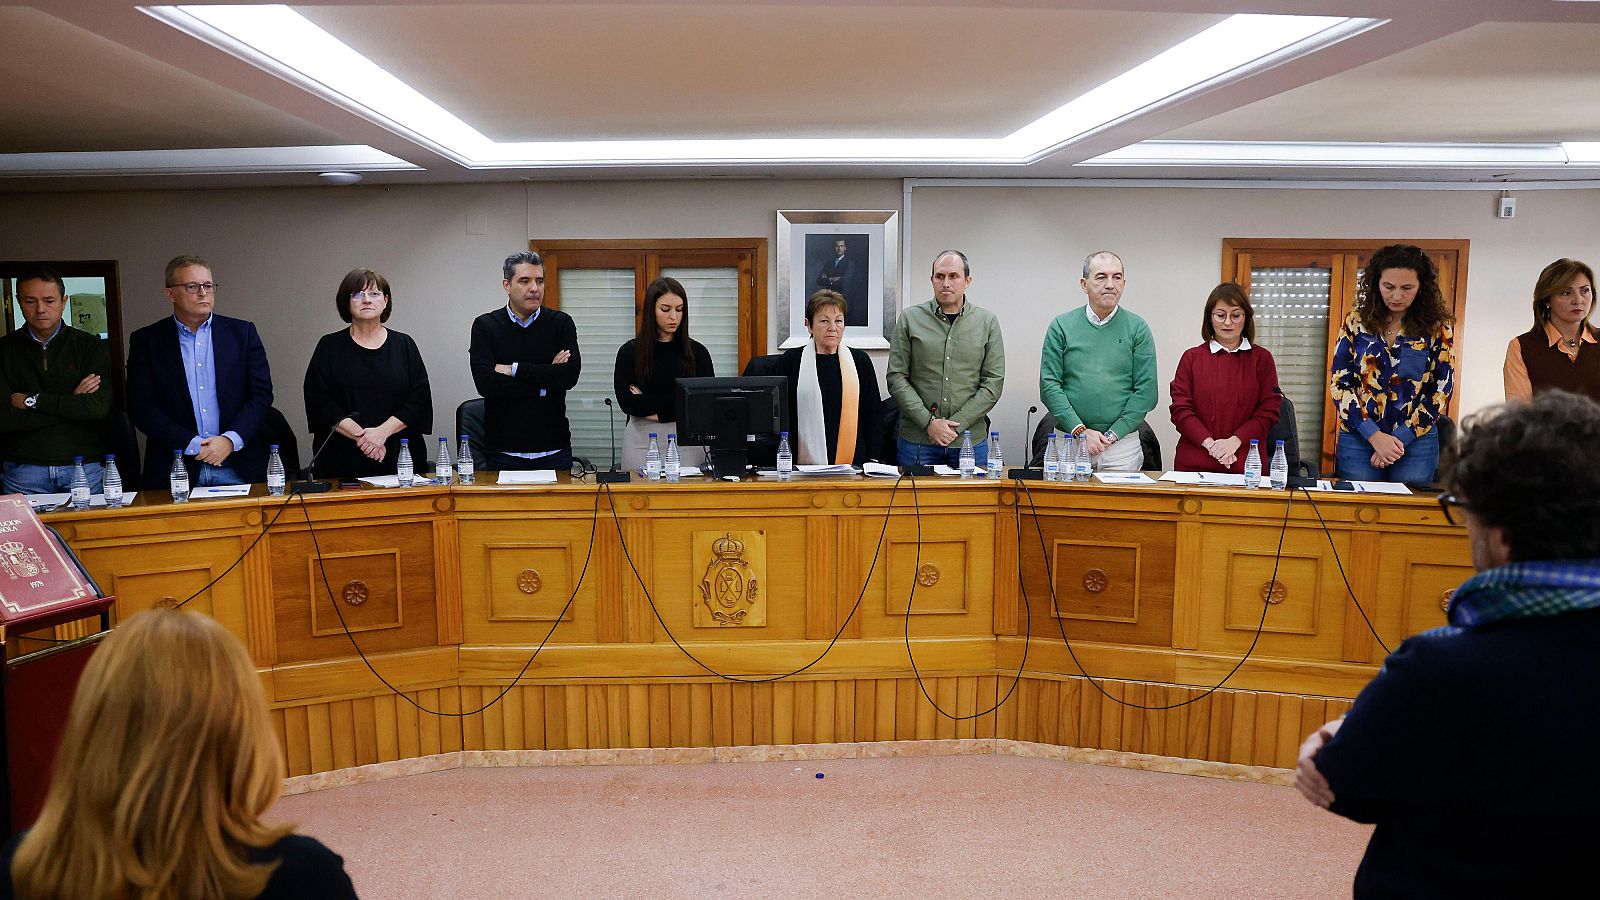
{"x":731,"y":590}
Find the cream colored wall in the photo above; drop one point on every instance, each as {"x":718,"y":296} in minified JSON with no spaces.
{"x":279,"y":253}
{"x":1027,"y":247}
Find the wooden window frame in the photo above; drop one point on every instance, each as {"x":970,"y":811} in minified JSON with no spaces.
{"x":648,"y":256}
{"x":1347,"y":257}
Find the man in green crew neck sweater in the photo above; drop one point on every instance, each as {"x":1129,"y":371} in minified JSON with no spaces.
{"x":1097,"y":372}
{"x":53,"y":401}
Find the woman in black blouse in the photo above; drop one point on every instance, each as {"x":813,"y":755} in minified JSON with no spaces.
{"x":649,"y":365}
{"x":835,"y":410}
{"x":367,"y":383}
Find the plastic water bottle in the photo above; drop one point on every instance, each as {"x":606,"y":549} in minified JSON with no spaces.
{"x":113,"y":483}
{"x":652,"y":459}
{"x":674,"y":463}
{"x":1085,"y":461}
{"x":1068,"y":455}
{"x":997,"y":465}
{"x":464,"y":474}
{"x":275,"y":476}
{"x":179,"y":478}
{"x":80,"y":484}
{"x":967,"y":462}
{"x":408,"y":475}
{"x":1279,"y":473}
{"x":1252,"y":466}
{"x":785,"y":458}
{"x":443,"y":472}
{"x":1052,"y":462}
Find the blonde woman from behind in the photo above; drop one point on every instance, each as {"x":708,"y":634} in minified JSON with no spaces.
{"x":166,"y":766}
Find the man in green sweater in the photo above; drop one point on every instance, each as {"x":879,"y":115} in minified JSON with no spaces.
{"x":1097,"y":372}
{"x":51,"y":374}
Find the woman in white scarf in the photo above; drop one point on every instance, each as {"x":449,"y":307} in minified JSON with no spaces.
{"x":835,"y":407}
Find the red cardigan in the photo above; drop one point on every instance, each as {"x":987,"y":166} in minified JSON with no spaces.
{"x":1219,"y":395}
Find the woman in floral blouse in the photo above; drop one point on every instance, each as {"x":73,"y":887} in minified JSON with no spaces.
{"x":1393,"y":370}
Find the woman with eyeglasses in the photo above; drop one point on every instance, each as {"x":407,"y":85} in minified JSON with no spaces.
{"x":1225,"y":392}
{"x":366,"y":387}
{"x":1393,"y":370}
{"x":1560,"y":350}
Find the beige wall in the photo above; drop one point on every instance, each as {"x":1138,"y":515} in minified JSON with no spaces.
{"x":279,"y":253}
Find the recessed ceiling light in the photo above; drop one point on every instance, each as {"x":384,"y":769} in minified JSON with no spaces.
{"x":339,"y":178}
{"x":280,"y":40}
{"x":1270,"y":154}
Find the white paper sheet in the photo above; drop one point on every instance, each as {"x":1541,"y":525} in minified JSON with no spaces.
{"x":51,"y":501}
{"x":879,"y":470}
{"x":1124,"y":478}
{"x":389,"y":481}
{"x":218,"y":491}
{"x":1380,"y":487}
{"x":535,"y":476}
{"x":683,"y":472}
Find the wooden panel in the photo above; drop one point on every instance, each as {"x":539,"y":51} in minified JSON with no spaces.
{"x":1135,"y":569}
{"x":1096,"y":581}
{"x":941,"y":574}
{"x":529,"y":581}
{"x":365,"y":590}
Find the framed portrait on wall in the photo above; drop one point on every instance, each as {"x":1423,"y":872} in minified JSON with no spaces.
{"x":853,"y":252}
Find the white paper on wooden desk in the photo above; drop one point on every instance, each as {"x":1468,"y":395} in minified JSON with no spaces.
{"x":393,"y":481}
{"x":534,"y":476}
{"x":879,"y":470}
{"x":1124,"y":478}
{"x":683,"y":472}
{"x":217,"y":491}
{"x":45,"y":502}
{"x":1380,"y":487}
{"x":942,"y":469}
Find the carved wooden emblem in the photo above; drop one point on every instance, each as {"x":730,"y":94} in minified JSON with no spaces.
{"x":1096,"y":580}
{"x":529,"y":582}
{"x":731,"y":590}
{"x":1444,"y":600}
{"x":927,"y":575}
{"x":1274,"y":592}
{"x":355,"y":592}
{"x":167,"y":602}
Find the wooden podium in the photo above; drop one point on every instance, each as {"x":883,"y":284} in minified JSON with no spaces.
{"x":42,"y":585}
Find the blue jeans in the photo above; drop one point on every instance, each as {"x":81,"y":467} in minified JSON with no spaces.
{"x":505,"y":462}
{"x":911,"y":453}
{"x":207,"y":475}
{"x":1354,"y":460}
{"x":27,"y":478}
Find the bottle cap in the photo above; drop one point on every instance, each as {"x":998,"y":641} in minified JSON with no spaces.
{"x":111,"y":457}
{"x":405,"y":442}
{"x":272,"y":446}
{"x":77,"y":460}
{"x":783,"y":434}
{"x":652,"y":435}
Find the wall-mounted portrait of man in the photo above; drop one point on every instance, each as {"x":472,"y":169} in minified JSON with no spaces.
{"x":838,"y":262}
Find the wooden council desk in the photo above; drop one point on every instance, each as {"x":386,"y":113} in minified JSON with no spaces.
{"x":448,"y":590}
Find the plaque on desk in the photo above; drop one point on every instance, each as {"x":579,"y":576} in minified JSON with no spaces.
{"x":36,"y":578}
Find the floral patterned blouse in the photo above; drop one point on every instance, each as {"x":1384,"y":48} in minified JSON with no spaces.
{"x":1401,"y":389}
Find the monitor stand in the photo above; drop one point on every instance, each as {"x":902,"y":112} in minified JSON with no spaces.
{"x":729,"y":462}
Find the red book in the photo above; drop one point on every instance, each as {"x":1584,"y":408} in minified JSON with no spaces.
{"x":39,"y":584}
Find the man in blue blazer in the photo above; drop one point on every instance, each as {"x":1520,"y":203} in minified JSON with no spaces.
{"x":199,"y":383}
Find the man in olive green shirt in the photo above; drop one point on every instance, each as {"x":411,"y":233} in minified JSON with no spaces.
{"x":946,"y":369}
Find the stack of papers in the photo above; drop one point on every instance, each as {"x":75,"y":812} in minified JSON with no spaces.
{"x":52,"y":501}
{"x":814,"y":469}
{"x":879,"y":470}
{"x":1124,"y":478}
{"x":1380,"y":487}
{"x":388,"y":481}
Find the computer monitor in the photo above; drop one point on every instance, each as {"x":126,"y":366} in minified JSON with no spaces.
{"x":728,"y":415}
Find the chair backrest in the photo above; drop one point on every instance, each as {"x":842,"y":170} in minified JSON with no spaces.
{"x":123,"y":440}
{"x":469,"y":421}
{"x":889,"y":413}
{"x":1287,"y":429}
{"x":1447,"y":444}
{"x":1041,"y":433}
{"x":763,"y":365}
{"x":275,"y":430}
{"x":1151,"y":448}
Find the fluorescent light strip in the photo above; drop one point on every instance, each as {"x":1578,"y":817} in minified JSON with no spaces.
{"x":227,"y":160}
{"x":1581,"y":151}
{"x":1271,"y":154}
{"x":280,"y":40}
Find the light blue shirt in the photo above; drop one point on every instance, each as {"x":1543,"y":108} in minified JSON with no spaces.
{"x":522,"y":323}
{"x":201,"y":376}
{"x":45,"y":344}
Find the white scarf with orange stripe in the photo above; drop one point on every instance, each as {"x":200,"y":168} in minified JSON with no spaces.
{"x":808,"y":398}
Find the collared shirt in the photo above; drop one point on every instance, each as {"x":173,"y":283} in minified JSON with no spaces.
{"x":1518,"y":384}
{"x":45,"y":344}
{"x":1095,"y":320}
{"x":1244,"y":344}
{"x":201,"y":376}
{"x":946,"y":369}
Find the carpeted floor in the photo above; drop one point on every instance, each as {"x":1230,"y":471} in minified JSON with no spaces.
{"x":955,"y":826}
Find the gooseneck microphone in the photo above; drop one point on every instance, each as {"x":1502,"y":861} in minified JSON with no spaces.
{"x":1028,"y":474}
{"x":612,"y":475}
{"x":309,"y":483}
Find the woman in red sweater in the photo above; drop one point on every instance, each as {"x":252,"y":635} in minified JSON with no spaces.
{"x":1225,"y":392}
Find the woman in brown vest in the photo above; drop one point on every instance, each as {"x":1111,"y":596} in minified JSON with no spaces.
{"x":1560,"y":350}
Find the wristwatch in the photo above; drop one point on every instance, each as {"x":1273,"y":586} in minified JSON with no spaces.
{"x":1111,"y":436}
{"x":31,"y":401}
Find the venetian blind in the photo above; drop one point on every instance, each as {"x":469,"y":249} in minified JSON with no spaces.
{"x":1291,"y":310}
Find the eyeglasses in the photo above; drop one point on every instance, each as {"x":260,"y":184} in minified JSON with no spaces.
{"x":374,"y":296}
{"x":196,"y":287}
{"x":1448,"y":500}
{"x":1236,"y":315}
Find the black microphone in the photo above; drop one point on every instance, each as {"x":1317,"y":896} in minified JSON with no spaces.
{"x":309,"y":484}
{"x":1027,"y":436}
{"x":612,"y":476}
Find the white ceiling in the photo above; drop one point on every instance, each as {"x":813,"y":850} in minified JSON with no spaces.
{"x":82,"y":78}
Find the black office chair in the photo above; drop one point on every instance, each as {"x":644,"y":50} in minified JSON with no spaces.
{"x":1287,"y":429}
{"x":469,"y":421}
{"x":123,"y":440}
{"x":1147,"y":442}
{"x":275,"y":429}
{"x":763,"y":365}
